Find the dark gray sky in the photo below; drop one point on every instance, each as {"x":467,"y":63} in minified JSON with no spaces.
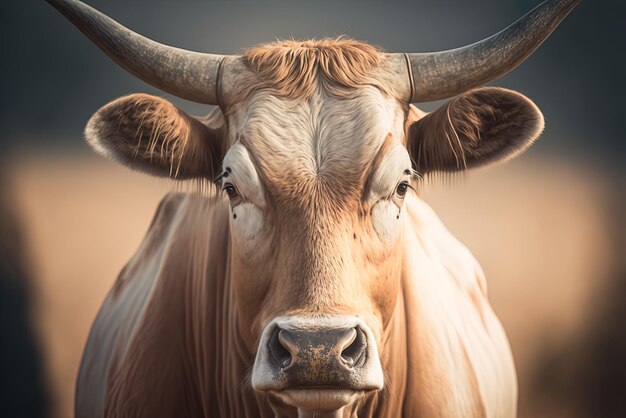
{"x":53,"y":78}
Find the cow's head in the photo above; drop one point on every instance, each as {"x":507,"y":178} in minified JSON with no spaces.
{"x":316,"y":146}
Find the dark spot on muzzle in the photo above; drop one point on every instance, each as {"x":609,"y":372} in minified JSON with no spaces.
{"x":320,"y":358}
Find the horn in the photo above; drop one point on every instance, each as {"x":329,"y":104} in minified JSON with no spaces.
{"x":439,"y":75}
{"x":186,"y":74}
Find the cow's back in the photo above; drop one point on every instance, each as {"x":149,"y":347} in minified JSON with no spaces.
{"x":135,"y":344}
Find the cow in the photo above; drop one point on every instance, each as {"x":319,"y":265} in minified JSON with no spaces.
{"x":312,"y":281}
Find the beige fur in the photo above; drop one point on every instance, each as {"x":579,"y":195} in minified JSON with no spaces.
{"x":317,"y":152}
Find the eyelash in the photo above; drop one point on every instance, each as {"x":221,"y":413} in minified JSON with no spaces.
{"x":407,"y":186}
{"x":231,"y":191}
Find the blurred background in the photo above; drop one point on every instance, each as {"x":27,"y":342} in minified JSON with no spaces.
{"x":548,"y":228}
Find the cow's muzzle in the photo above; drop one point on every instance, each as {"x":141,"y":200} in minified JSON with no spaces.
{"x":313,"y":362}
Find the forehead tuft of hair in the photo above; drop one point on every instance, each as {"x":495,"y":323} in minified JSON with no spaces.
{"x":295,"y":69}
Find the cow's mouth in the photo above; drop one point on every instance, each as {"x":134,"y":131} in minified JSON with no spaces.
{"x":327,"y":401}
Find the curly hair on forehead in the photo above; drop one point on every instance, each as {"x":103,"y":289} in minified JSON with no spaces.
{"x":295,"y":69}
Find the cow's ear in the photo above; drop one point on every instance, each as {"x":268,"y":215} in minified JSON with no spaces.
{"x":479,"y":127}
{"x":150,"y":134}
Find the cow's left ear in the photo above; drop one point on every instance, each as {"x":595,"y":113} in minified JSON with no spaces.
{"x":150,"y":134}
{"x":482,"y":126}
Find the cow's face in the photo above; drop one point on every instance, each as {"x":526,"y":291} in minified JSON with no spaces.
{"x":317,"y":189}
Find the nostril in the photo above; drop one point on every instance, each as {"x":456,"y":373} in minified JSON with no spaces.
{"x":355,"y":347}
{"x":279,"y":347}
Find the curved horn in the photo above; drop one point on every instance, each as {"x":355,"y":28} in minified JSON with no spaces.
{"x":439,"y":75}
{"x":186,"y":74}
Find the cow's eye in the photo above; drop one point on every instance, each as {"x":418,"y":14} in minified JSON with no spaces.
{"x":231,"y":191}
{"x":402,"y":189}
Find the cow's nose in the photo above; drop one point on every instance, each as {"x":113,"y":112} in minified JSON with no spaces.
{"x":342,"y":347}
{"x":336,"y":352}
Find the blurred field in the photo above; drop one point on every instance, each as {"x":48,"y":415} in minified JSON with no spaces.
{"x":543,"y":231}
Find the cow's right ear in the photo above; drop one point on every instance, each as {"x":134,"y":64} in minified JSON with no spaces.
{"x":482,"y":126}
{"x":150,"y":134}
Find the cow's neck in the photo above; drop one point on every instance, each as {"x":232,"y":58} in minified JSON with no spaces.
{"x":388,"y":403}
{"x":220,"y":361}
{"x":457,"y":350}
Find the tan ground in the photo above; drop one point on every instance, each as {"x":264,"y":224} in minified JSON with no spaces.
{"x":539,"y":229}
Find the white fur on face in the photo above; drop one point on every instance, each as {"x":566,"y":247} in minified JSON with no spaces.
{"x":321,"y":137}
{"x":386,"y":221}
{"x":243,"y":175}
{"x":247,"y":226}
{"x":247,"y":220}
{"x":386,"y":212}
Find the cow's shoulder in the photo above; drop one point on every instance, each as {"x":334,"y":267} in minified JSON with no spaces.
{"x":444,"y":248}
{"x":139,"y":325}
{"x":153,"y":242}
{"x":450,"y":322}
